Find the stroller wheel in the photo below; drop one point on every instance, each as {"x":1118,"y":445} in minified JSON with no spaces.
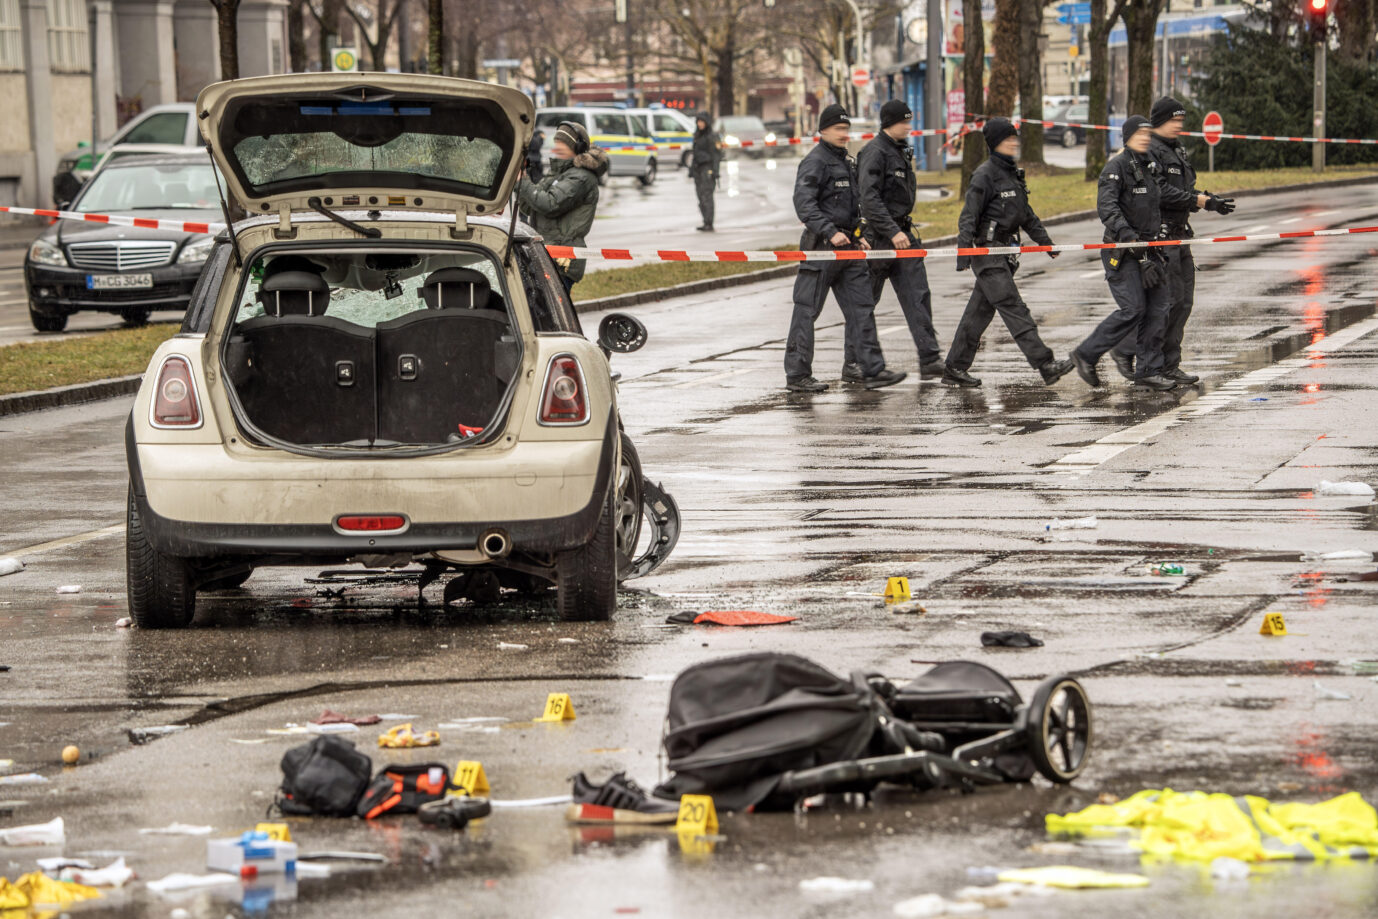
{"x":1059,"y":728}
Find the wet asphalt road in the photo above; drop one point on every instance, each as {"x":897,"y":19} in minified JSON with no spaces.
{"x":800,"y":505}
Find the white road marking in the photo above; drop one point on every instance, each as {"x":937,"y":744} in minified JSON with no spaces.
{"x":1258,"y":229}
{"x":891,"y":330}
{"x":713,"y":377}
{"x":1098,"y":273}
{"x":1291,"y":220}
{"x":69,"y":540}
{"x":1112,"y":445}
{"x":1325,"y":213}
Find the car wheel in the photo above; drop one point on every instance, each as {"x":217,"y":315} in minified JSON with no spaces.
{"x":587,"y":577}
{"x":1069,"y":137}
{"x":135,"y":316}
{"x":47,"y":322}
{"x":232,"y":582}
{"x":161,"y":588}
{"x":629,"y":498}
{"x":649,"y":176}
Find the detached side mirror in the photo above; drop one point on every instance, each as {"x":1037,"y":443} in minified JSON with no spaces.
{"x":621,"y":333}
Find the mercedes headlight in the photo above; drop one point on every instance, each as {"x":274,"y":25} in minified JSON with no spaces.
{"x":43,"y":252}
{"x":770,"y":138}
{"x":198,"y":250}
{"x":731,"y":140}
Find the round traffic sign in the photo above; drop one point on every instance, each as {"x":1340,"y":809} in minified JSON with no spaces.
{"x":861,"y":76}
{"x":1212,"y":126}
{"x":344,"y":59}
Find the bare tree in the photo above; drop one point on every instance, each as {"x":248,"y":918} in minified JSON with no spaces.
{"x":384,"y":15}
{"x":435,"y":36}
{"x":973,"y":73}
{"x":1141,"y":26}
{"x":296,"y":35}
{"x":1030,"y":82}
{"x":1098,"y":109}
{"x":1004,"y":67}
{"x":227,"y":16}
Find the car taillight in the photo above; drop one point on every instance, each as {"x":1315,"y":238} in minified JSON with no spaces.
{"x":370,"y":523}
{"x":563,"y":400}
{"x":174,"y":400}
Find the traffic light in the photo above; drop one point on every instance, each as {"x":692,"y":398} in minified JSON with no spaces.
{"x":1316,"y":13}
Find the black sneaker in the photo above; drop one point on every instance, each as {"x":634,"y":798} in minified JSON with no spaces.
{"x":933,"y":370}
{"x":706,"y":228}
{"x":1124,"y":363}
{"x":885,"y":378}
{"x":1181,"y":376}
{"x":453,"y":811}
{"x":954,"y":377}
{"x":806,"y":384}
{"x":1054,"y":371}
{"x":1157,"y":382}
{"x":1086,"y":370}
{"x":851,"y":373}
{"x":618,"y":800}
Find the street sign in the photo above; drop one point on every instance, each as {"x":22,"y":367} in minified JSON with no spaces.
{"x":1075,"y":8}
{"x":344,"y":59}
{"x":1075,"y":19}
{"x":495,"y":63}
{"x":1212,"y":126}
{"x":861,"y":77}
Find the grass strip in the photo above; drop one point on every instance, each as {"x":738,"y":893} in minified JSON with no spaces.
{"x":63,"y":361}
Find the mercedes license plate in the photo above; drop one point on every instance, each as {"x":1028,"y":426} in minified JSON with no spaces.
{"x":118,"y":281}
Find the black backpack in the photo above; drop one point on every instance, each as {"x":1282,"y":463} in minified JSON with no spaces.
{"x":403,"y":789}
{"x":323,"y":778}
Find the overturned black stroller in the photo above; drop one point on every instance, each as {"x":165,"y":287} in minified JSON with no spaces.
{"x":766,"y":730}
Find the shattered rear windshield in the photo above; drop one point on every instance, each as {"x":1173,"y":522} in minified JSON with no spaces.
{"x":456,"y":146}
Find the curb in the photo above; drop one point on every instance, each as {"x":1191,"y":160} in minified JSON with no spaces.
{"x":62,"y":396}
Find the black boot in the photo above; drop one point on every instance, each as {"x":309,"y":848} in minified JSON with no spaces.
{"x":1156,"y":381}
{"x":851,"y":373}
{"x":1086,"y":370}
{"x":1124,"y":363}
{"x":932,"y":370}
{"x":1181,"y":376}
{"x":1054,"y":371}
{"x":806,"y":384}
{"x":954,"y":377}
{"x":885,"y":378}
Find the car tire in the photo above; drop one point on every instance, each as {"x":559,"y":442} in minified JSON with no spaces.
{"x":47,"y":322}
{"x":161,"y":588}
{"x":648,"y":177}
{"x":1069,"y":137}
{"x":587,"y":577}
{"x":135,"y":316}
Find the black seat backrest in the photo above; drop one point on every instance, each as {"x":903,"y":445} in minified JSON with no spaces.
{"x":455,"y":288}
{"x":307,"y":379}
{"x":438,"y":369}
{"x":294,"y":293}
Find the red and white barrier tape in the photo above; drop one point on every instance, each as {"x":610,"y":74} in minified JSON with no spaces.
{"x":1106,"y":127}
{"x":119,"y":220}
{"x":787,"y":142}
{"x":841,"y":255}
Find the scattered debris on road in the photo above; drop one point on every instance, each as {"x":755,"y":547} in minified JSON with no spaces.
{"x":1076,"y":523}
{"x":1357,"y":489}
{"x":10,"y":566}
{"x":402,"y":736}
{"x":1010,"y":640}
{"x":140,"y":736}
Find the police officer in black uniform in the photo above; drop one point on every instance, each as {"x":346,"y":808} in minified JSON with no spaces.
{"x":704,"y":163}
{"x":886,"y":167}
{"x":996,"y":207}
{"x":826,"y":199}
{"x":1127,"y":203}
{"x":1180,"y":199}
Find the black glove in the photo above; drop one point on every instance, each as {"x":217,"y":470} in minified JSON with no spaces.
{"x":1218,"y":204}
{"x":963,"y":262}
{"x":1153,"y":273}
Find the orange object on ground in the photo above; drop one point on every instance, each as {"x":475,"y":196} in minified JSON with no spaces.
{"x":742,"y":617}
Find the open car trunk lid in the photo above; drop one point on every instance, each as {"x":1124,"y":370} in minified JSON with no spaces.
{"x":366,"y":139}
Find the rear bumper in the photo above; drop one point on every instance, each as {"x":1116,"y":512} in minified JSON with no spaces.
{"x":188,"y":539}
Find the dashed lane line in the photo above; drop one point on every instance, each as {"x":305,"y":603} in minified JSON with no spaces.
{"x":1112,"y":445}
{"x":714,"y":377}
{"x":69,"y":541}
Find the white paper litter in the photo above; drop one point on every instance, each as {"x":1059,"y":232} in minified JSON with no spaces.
{"x":531,"y":802}
{"x":1006,"y":891}
{"x":836,"y":885}
{"x":469,"y":728}
{"x":69,"y":589}
{"x":1229,"y":869}
{"x":176,"y":882}
{"x":312,"y":870}
{"x":1331,"y":694}
{"x":478,"y":719}
{"x":177,"y":829}
{"x":23,"y":778}
{"x":1343,"y":555}
{"x":10,"y":565}
{"x":51,"y":833}
{"x":343,"y":727}
{"x":512,"y":646}
{"x":931,"y":904}
{"x":124,"y":623}
{"x":115,"y":874}
{"x":568,"y":641}
{"x":393,"y":716}
{"x":1076,"y":523}
{"x":57,"y":863}
{"x":1360,"y":489}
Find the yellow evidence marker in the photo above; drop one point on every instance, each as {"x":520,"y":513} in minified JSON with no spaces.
{"x":697,"y":815}
{"x":897,"y":590}
{"x":470,"y":780}
{"x":558,"y":707}
{"x":276,"y":831}
{"x":1273,"y":625}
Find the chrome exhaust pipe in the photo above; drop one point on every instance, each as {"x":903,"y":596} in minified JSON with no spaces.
{"x":495,"y":544}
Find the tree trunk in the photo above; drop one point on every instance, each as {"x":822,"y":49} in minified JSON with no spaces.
{"x":1356,"y":21}
{"x":227,"y":13}
{"x":726,"y":95}
{"x":1097,"y":108}
{"x":435,"y":36}
{"x":1004,"y":66}
{"x":466,"y":61}
{"x":331,"y":12}
{"x":404,"y":49}
{"x":973,"y":72}
{"x":296,"y":36}
{"x":1030,"y":81}
{"x":1140,"y":23}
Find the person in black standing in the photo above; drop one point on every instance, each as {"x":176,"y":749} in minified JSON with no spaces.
{"x":888,"y":188}
{"x":1180,"y":199}
{"x":703,"y":166}
{"x":1127,"y":203}
{"x":826,"y":199}
{"x":996,"y":208}
{"x":535,"y":166}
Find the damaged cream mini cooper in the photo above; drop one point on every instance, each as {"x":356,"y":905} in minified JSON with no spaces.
{"x":379,"y":367}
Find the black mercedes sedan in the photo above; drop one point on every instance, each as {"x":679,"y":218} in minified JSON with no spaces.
{"x":128,"y":271}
